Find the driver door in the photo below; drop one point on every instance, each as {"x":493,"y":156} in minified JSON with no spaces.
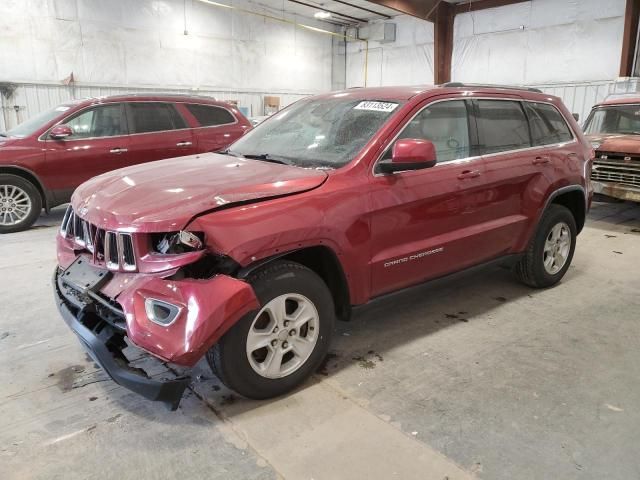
{"x":426,"y":223}
{"x":99,"y":143}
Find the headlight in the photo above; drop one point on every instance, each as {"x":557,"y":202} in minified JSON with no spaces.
{"x":178,"y":242}
{"x":596,"y":145}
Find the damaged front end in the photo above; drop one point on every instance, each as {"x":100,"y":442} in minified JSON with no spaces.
{"x":162,"y":293}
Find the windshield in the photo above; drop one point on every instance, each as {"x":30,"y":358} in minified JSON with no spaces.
{"x":34,"y":123}
{"x":623,"y":119}
{"x":316,"y":132}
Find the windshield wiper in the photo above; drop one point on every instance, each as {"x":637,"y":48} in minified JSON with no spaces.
{"x":265,"y":157}
{"x":2,"y":134}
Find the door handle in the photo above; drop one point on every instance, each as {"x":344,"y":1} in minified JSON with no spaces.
{"x":118,"y":150}
{"x":469,"y":174}
{"x":183,"y":144}
{"x":541,"y":160}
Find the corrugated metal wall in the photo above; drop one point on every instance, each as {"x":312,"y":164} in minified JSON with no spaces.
{"x":580,"y":97}
{"x":30,"y":99}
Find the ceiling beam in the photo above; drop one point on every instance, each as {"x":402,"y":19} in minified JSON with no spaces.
{"x":415,"y":8}
{"x":629,"y":37}
{"x":474,"y":6}
{"x":333,"y":12}
{"x":364,"y":9}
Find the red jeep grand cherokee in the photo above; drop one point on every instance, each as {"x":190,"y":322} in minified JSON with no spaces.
{"x":247,"y":257}
{"x":45,"y":158}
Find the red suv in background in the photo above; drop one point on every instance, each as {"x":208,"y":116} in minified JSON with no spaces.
{"x":44,"y":159}
{"x":249,"y":255}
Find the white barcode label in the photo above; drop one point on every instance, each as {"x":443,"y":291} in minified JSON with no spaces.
{"x":376,"y":106}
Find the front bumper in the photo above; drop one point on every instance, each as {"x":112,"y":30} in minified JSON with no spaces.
{"x":110,"y":317}
{"x":106,"y":342}
{"x":616,"y":190}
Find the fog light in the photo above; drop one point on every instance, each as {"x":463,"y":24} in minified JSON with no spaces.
{"x":162,"y":313}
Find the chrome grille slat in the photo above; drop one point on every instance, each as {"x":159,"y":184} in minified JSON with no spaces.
{"x":116,"y":250}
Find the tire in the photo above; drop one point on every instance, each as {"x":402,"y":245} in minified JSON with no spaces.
{"x":20,"y":203}
{"x":240,"y":360}
{"x":541,"y":266}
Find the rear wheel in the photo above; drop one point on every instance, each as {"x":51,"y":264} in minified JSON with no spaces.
{"x":20,"y":203}
{"x":272,"y":350}
{"x":550,"y":252}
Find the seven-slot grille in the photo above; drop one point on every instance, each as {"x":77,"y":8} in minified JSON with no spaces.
{"x":113,"y":249}
{"x":617,"y":168}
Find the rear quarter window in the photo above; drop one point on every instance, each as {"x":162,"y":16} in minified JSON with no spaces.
{"x":210,"y":115}
{"x":547,"y":124}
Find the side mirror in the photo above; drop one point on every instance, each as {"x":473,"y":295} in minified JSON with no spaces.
{"x":60,"y":132}
{"x":410,"y":154}
{"x":576,"y":116}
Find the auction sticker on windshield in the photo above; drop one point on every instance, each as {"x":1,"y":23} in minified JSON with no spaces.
{"x":376,"y":106}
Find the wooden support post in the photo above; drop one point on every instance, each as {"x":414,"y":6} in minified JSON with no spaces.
{"x":443,"y":18}
{"x":629,"y":37}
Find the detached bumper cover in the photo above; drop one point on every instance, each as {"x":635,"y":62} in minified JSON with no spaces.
{"x":105,"y":342}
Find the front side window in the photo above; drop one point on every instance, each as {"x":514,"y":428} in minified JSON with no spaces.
{"x":210,"y":116}
{"x":36,"y":122}
{"x":317,"y":132}
{"x":547,"y":125}
{"x":502,"y":126}
{"x":148,"y":117}
{"x":103,"y":121}
{"x":446,"y":125}
{"x":622,"y":119}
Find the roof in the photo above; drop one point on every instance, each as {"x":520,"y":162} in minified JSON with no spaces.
{"x":621,"y":99}
{"x":153,"y":96}
{"x":403,"y":93}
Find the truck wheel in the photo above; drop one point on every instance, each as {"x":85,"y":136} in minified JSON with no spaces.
{"x":551,"y":249}
{"x":272,"y":350}
{"x":20,"y":203}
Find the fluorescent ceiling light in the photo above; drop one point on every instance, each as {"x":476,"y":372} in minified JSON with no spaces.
{"x":322,"y":14}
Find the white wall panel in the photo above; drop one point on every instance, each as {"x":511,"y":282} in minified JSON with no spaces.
{"x":407,"y":61}
{"x":141,"y":43}
{"x":540,"y":41}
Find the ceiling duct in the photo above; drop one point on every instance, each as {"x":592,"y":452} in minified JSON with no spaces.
{"x":378,"y":32}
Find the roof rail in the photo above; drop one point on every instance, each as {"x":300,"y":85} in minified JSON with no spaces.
{"x":158,"y":94}
{"x":508,"y":87}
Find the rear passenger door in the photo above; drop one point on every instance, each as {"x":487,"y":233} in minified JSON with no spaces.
{"x":515,"y":170}
{"x":218,"y":127}
{"x":157,"y":131}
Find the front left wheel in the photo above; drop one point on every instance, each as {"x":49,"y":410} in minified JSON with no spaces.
{"x":20,"y":203}
{"x":272,"y":350}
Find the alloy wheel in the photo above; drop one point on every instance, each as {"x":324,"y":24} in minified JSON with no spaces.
{"x":556,"y":248}
{"x":283,"y":336}
{"x":15,"y":205}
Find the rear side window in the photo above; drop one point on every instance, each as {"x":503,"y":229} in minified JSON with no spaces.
{"x":103,"y":121}
{"x":446,"y":125}
{"x":209,"y":115}
{"x":502,"y":126}
{"x":547,"y":125}
{"x":154,"y":117}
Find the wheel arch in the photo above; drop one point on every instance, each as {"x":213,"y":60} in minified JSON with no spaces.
{"x":30,"y":177}
{"x":574,"y":198}
{"x":325,"y":263}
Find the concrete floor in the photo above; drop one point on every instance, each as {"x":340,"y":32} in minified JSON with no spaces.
{"x":480,"y":377}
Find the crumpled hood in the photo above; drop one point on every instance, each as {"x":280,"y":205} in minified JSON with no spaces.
{"x":163,"y":196}
{"x":617,"y":143}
